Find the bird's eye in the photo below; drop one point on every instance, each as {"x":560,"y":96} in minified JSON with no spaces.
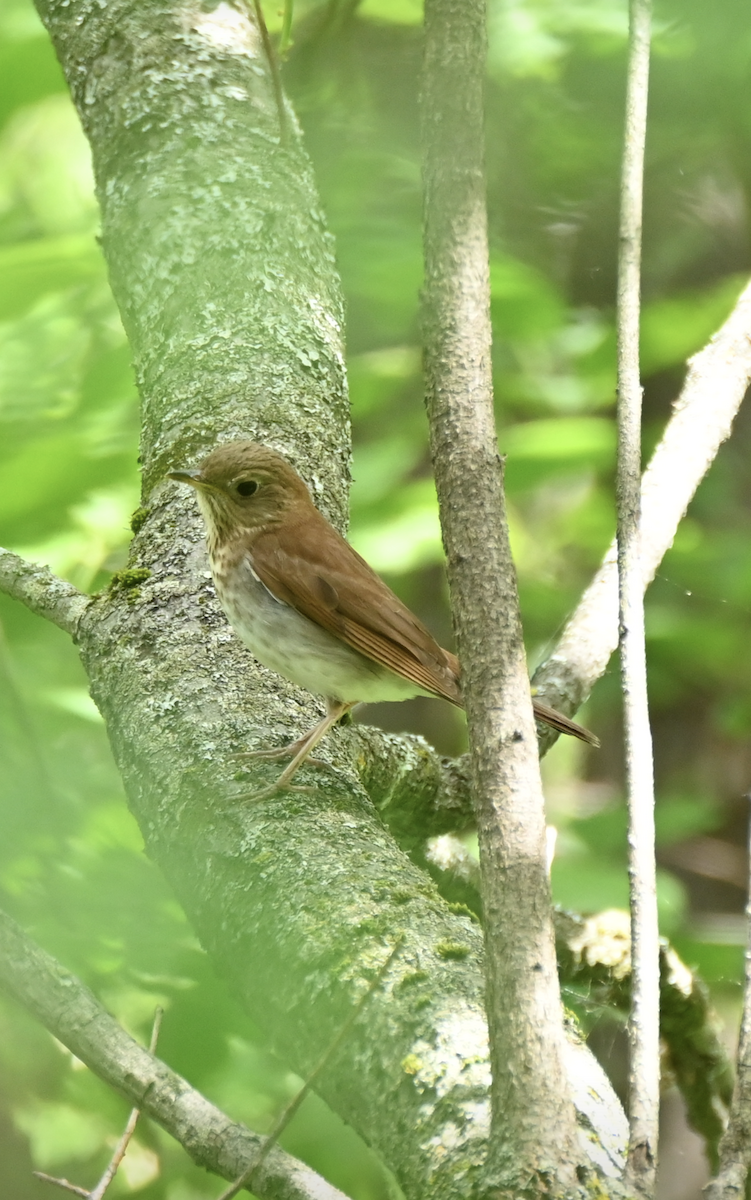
{"x":246,"y":487}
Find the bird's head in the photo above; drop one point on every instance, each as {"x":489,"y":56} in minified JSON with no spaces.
{"x":244,"y":486}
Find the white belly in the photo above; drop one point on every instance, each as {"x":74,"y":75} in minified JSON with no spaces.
{"x":294,"y":646}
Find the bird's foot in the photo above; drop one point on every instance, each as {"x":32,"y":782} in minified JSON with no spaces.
{"x":274,"y":789}
{"x":281,"y":752}
{"x":288,"y":751}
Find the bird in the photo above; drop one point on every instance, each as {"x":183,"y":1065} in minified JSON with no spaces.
{"x":308,"y":606}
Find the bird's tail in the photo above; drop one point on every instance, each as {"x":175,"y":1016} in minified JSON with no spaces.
{"x":551,"y":716}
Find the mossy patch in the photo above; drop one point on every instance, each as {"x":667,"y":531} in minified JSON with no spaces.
{"x":414,"y":977}
{"x":452,"y":950}
{"x":138,"y":520}
{"x":129,"y":582}
{"x":461,"y":910}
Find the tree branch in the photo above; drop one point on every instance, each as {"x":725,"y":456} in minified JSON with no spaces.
{"x":717,"y":380}
{"x":73,"y":1015}
{"x":644,"y":1023}
{"x":421,"y":795}
{"x":533,"y":1123}
{"x":42,"y":592}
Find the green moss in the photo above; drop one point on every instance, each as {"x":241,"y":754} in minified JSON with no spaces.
{"x":138,"y":519}
{"x":376,"y":925}
{"x":413,"y":978}
{"x":403,"y":895}
{"x":461,"y":910}
{"x":452,"y":950}
{"x":129,"y":578}
{"x":129,"y":582}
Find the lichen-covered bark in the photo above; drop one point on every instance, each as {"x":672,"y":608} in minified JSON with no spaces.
{"x":216,"y":244}
{"x":224,"y":275}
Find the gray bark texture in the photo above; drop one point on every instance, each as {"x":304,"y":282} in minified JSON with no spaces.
{"x":533,"y":1120}
{"x":224,"y":274}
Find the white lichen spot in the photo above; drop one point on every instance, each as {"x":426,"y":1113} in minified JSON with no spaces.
{"x":225,"y":29}
{"x":449,"y":1137}
{"x":457,"y":1056}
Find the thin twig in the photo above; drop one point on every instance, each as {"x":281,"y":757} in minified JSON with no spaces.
{"x":274,"y":68}
{"x":735,"y":1147}
{"x":135,"y":1113}
{"x":62,"y":1183}
{"x":644,"y":1028}
{"x":110,"y":1170}
{"x":285,"y":37}
{"x":42,"y":592}
{"x":288,"y":1113}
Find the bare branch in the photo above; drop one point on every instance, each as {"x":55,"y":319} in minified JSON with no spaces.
{"x":42,"y":592}
{"x":418,"y":794}
{"x":735,"y":1147}
{"x":717,"y":380}
{"x":69,"y":1010}
{"x":65,"y":1184}
{"x":534,"y":1133}
{"x":644,"y":1025}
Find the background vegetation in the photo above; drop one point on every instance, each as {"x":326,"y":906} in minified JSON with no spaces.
{"x":72,"y":869}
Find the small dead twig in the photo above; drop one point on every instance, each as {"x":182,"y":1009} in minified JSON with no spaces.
{"x":288,"y":1113}
{"x":63,"y":1183}
{"x":119,"y":1153}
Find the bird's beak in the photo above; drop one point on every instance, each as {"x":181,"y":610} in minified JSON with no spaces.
{"x":191,"y":477}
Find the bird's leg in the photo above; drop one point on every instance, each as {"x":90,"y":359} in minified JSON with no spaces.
{"x":335,"y":710}
{"x":288,"y":751}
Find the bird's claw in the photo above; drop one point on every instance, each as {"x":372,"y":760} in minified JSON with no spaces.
{"x":271,"y":755}
{"x":281,"y":752}
{"x":273,"y":789}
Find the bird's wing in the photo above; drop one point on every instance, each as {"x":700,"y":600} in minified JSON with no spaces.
{"x":318,"y":573}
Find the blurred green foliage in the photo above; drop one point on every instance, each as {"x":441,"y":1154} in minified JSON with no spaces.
{"x":72,"y":869}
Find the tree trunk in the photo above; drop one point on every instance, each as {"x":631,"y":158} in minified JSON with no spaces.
{"x":223,"y":271}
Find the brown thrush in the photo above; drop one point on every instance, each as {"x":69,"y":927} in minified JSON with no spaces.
{"x":306,"y":603}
